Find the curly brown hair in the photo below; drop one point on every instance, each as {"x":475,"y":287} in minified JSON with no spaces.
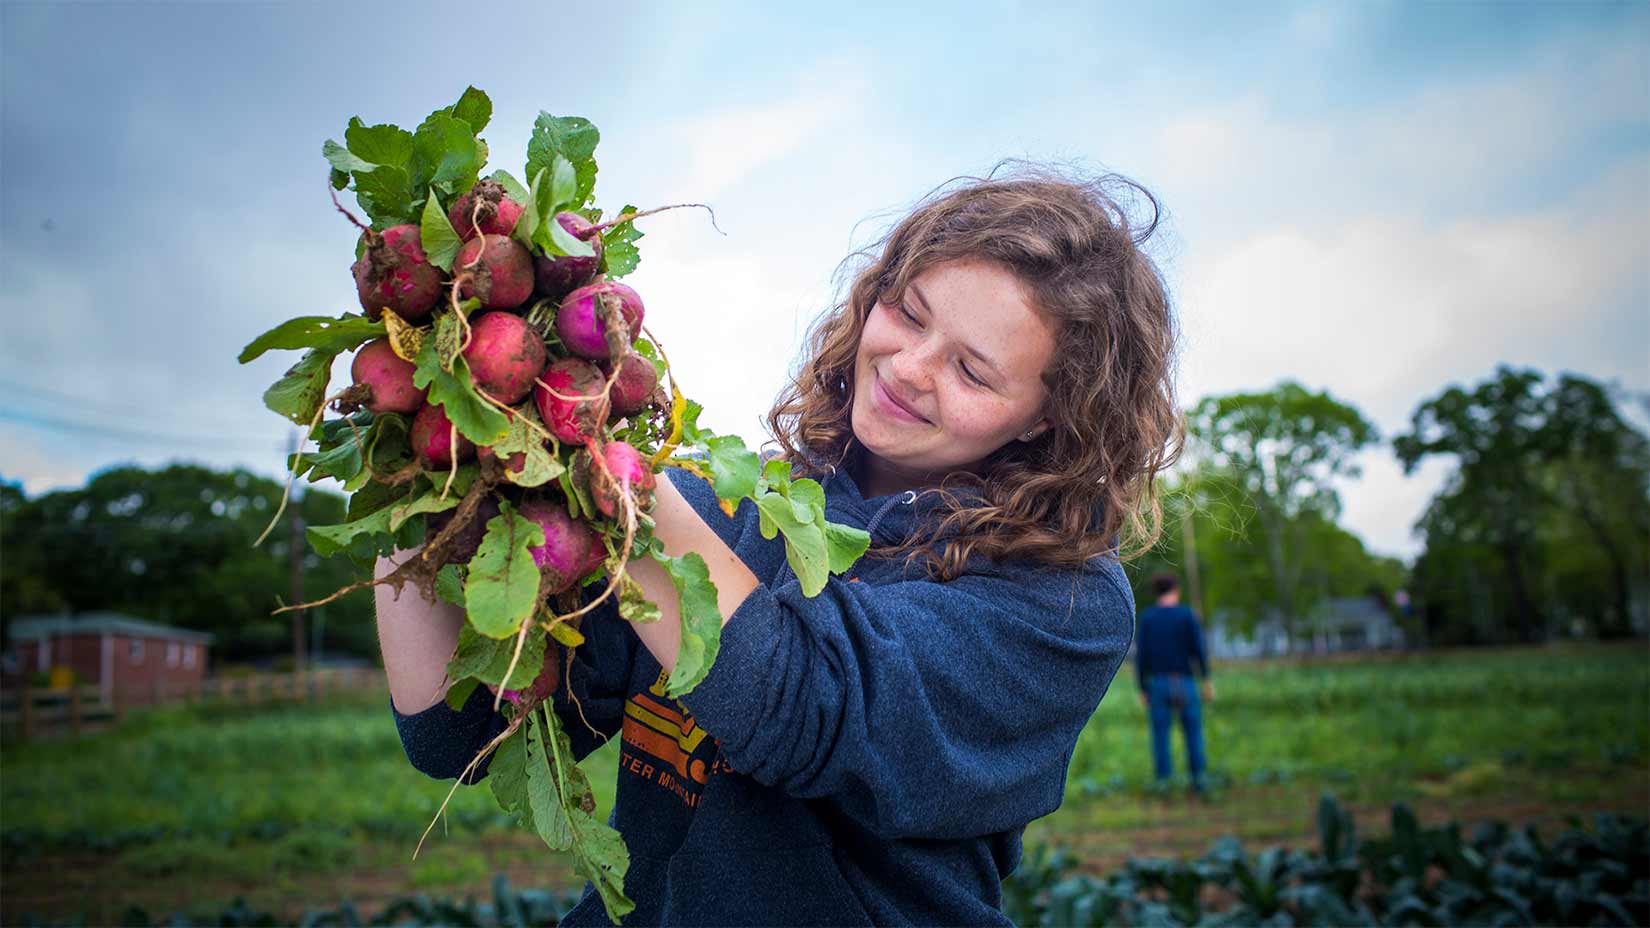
{"x":1068,"y":495}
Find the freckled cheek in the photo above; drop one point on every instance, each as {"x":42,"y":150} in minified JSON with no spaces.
{"x":971,"y":418}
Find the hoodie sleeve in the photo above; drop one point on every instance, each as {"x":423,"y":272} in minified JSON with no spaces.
{"x":923,"y":709}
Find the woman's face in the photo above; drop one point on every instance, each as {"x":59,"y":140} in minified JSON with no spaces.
{"x":950,"y":375}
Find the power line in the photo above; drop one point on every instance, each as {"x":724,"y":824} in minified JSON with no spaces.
{"x":146,"y":437}
{"x":77,"y":402}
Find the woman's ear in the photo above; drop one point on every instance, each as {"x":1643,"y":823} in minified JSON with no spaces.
{"x":1037,"y":428}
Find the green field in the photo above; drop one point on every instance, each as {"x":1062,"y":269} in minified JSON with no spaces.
{"x":302,"y":806}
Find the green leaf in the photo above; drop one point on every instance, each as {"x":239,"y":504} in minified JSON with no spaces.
{"x":382,"y":144}
{"x":423,"y":505}
{"x":543,"y":797}
{"x":599,"y":853}
{"x":690,"y":423}
{"x":507,"y":777}
{"x":804,"y":541}
{"x":341,"y":160}
{"x":328,"y":540}
{"x":455,"y":393}
{"x":578,"y":497}
{"x":565,"y":242}
{"x":544,"y":207}
{"x":810,"y":495}
{"x":387,"y":194}
{"x":844,"y":545}
{"x":332,"y":335}
{"x":526,"y":229}
{"x":776,"y":474}
{"x":539,"y":466}
{"x":449,"y":585}
{"x":448,"y":336}
{"x":701,"y":621}
{"x":436,"y":233}
{"x":369,"y":530}
{"x":487,"y":659}
{"x":459,"y":693}
{"x":735,"y":468}
{"x":572,"y":137}
{"x":446,"y":153}
{"x":301,"y":390}
{"x":341,"y":461}
{"x":512,"y":187}
{"x":620,"y":256}
{"x":371,"y":498}
{"x":634,"y":604}
{"x":462,"y":479}
{"x":503,"y":587}
{"x":389,"y":446}
{"x":563,"y":182}
{"x":475,"y":108}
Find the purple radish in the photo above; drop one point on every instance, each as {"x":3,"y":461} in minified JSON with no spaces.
{"x":633,"y":389}
{"x":557,"y":276}
{"x":582,"y":319}
{"x":571,"y":547}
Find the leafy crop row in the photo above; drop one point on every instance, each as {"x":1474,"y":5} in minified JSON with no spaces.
{"x":1414,"y":876}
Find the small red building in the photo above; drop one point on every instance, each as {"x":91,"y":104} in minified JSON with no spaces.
{"x":125,"y":656}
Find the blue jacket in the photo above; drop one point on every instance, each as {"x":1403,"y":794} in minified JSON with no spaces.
{"x":1169,"y":642}
{"x":870,"y":755}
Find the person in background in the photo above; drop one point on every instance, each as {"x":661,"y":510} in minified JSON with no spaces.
{"x":1168,"y":643}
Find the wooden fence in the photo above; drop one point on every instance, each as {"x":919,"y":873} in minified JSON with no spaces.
{"x":33,"y":712}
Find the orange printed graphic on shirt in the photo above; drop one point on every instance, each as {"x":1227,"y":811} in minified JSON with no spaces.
{"x":665,"y":732}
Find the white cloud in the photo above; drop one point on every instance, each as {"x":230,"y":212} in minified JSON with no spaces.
{"x":1476,"y":138}
{"x":1386,"y":312}
{"x":718,"y":149}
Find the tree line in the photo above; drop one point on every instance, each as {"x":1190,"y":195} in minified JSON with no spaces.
{"x":174,"y":545}
{"x":1542,"y":528}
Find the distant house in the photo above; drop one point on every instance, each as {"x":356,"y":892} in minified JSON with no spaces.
{"x":1352,"y":623}
{"x":127,"y":657}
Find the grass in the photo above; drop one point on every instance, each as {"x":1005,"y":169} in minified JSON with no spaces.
{"x":314,"y":805}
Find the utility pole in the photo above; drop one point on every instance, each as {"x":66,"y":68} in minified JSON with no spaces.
{"x":295,"y":578}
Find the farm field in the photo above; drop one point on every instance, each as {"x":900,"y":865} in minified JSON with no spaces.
{"x":290,"y":808}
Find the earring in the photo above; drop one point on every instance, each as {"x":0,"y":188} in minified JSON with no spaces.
{"x":1026,"y":436}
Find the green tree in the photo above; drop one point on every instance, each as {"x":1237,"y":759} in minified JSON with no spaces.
{"x":1597,"y":479}
{"x":1546,"y":513}
{"x":175,"y":545}
{"x":1285,"y":448}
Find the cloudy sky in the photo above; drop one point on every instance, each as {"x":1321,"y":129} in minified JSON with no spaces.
{"x":1377,"y":199}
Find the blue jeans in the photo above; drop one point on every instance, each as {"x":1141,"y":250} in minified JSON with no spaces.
{"x":1170,"y":695}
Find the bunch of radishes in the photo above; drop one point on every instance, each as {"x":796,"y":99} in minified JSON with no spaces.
{"x":597,"y":377}
{"x":506,"y":418}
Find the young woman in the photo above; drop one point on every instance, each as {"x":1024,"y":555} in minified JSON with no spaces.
{"x":991,"y":402}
